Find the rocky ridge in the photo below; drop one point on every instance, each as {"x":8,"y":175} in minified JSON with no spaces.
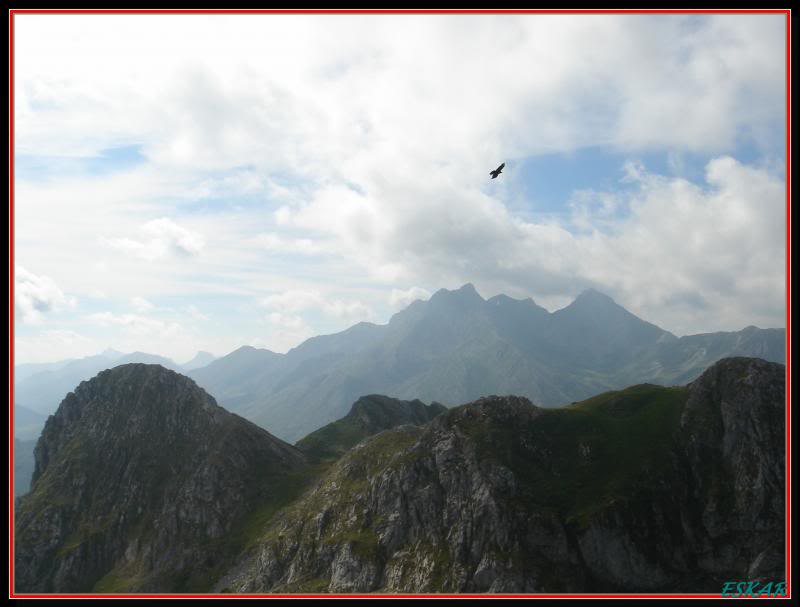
{"x":646,"y":489}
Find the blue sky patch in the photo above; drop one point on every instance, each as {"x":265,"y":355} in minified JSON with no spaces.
{"x":32,"y":167}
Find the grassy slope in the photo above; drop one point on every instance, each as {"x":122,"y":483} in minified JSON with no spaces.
{"x":331,"y":441}
{"x":578,"y":458}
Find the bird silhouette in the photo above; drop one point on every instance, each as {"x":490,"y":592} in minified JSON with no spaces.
{"x":497,"y":171}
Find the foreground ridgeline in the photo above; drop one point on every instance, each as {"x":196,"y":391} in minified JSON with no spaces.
{"x":142,"y":483}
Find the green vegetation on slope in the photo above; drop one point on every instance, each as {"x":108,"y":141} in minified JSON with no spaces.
{"x":579,"y":458}
{"x":331,"y":441}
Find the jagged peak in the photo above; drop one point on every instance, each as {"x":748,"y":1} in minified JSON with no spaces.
{"x":591,"y":300}
{"x":502,"y":299}
{"x":465,"y":293}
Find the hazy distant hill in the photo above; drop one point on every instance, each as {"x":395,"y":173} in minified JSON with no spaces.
{"x":23,"y":465}
{"x":28,"y":424}
{"x":457,"y":347}
{"x":201,"y":359}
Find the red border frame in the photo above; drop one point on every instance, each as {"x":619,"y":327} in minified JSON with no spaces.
{"x":13,"y":12}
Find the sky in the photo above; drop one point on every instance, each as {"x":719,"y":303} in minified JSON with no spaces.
{"x":202,"y":182}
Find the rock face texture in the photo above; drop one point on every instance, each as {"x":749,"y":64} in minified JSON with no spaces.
{"x":140,"y":482}
{"x":368,"y":415}
{"x":734,"y":427}
{"x":645,"y":489}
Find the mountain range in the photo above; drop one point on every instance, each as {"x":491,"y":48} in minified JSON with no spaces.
{"x":457,"y":347}
{"x":143,"y":483}
{"x":453,"y":348}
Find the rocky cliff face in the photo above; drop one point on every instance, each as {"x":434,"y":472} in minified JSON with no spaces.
{"x":646,"y":489}
{"x":734,"y":428}
{"x":141,"y":481}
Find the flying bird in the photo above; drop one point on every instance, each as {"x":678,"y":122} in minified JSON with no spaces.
{"x":497,"y":171}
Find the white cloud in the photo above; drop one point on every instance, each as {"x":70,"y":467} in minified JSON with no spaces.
{"x":362,"y":153}
{"x":283,"y":215}
{"x":53,"y":345}
{"x":273,"y":242}
{"x":285,"y":332}
{"x":140,"y":304}
{"x":163,"y":237}
{"x":692,"y":257}
{"x":295,"y":301}
{"x":287,"y":321}
{"x":420,"y":88}
{"x":350,"y":311}
{"x":238,"y":183}
{"x":36,"y":295}
{"x":292,"y":301}
{"x":648,"y":245}
{"x":399,"y":299}
{"x":195,"y":313}
{"x":136,"y":324}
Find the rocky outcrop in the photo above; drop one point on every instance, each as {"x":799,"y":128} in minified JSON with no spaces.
{"x":734,"y":425}
{"x":140,"y":482}
{"x":646,"y":489}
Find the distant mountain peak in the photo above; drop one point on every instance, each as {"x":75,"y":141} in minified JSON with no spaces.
{"x":140,"y":353}
{"x":200,"y":359}
{"x":591,"y":295}
{"x":592,"y":301}
{"x":456,"y":347}
{"x":250,"y":349}
{"x":503,"y":299}
{"x":466,"y":293}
